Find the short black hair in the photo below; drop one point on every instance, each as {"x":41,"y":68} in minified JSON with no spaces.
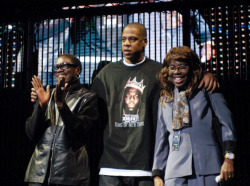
{"x":139,"y":26}
{"x":74,"y":59}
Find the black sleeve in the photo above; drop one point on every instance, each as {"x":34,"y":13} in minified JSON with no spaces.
{"x":98,"y":88}
{"x":36,"y":124}
{"x":154,"y":105}
{"x":78,"y":123}
{"x":158,"y":172}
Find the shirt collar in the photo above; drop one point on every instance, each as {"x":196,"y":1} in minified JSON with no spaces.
{"x":132,"y":65}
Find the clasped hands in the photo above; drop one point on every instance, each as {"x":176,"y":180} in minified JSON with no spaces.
{"x":38,"y":92}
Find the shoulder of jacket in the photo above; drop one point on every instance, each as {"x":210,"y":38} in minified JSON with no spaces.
{"x":86,"y":94}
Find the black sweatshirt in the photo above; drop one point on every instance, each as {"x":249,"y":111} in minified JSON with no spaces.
{"x":130,"y":131}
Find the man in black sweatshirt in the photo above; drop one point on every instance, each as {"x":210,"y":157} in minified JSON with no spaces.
{"x":129,"y":136}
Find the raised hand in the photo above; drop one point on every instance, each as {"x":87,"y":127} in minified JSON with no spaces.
{"x":39,"y":92}
{"x":60,"y":92}
{"x":33,"y":95}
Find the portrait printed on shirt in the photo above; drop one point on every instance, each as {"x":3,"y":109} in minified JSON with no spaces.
{"x":131,"y":104}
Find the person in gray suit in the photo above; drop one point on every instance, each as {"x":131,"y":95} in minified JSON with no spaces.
{"x":187,"y":151}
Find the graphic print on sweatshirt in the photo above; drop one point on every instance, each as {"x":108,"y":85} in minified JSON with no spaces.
{"x":131,"y":104}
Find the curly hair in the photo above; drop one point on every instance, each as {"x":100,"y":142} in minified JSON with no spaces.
{"x":185,"y":54}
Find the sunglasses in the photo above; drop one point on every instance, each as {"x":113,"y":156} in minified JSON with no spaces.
{"x":63,"y":66}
